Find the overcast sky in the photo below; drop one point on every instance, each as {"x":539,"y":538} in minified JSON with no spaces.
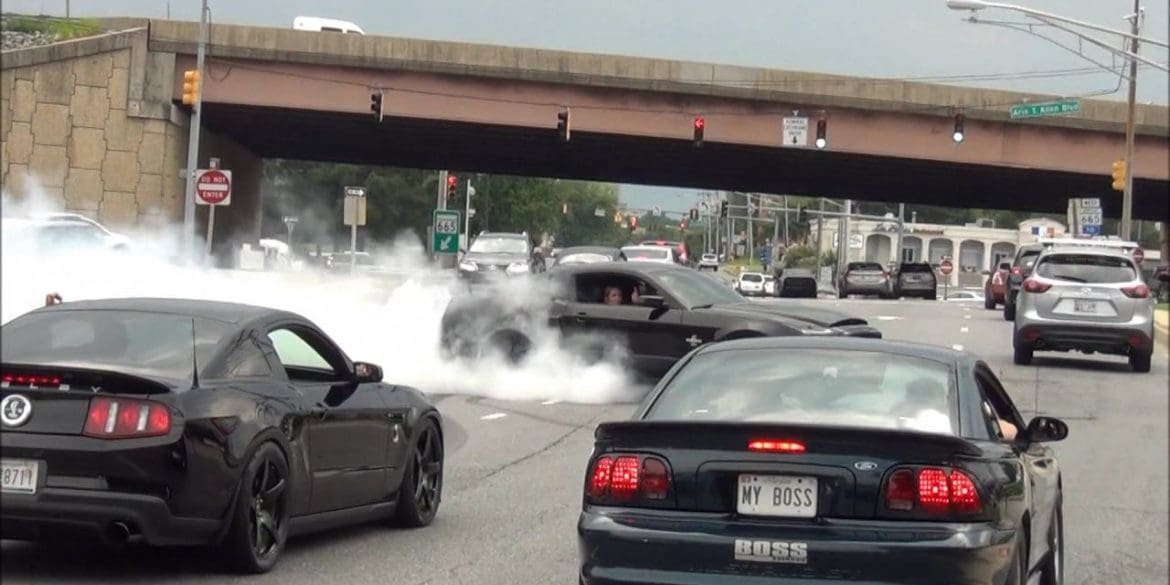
{"x":878,"y":38}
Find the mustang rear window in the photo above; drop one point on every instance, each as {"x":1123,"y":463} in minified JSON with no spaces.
{"x":830,"y":387}
{"x":133,"y":342}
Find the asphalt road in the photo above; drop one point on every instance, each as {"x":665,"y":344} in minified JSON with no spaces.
{"x":515,"y":472}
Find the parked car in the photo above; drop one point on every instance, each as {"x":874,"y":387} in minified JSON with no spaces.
{"x":1087,"y":300}
{"x":995,"y":288}
{"x":916,"y":279}
{"x":864,"y":278}
{"x":750,"y":284}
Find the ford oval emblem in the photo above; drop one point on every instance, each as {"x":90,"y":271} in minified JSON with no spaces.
{"x":865,"y":465}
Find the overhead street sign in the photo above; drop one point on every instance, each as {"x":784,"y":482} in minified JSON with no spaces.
{"x":1057,"y":108}
{"x":446,"y":232}
{"x":795,"y":132}
{"x":213,"y":187}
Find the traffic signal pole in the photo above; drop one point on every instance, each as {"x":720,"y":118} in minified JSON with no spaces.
{"x":1127,"y":196}
{"x":193,"y":139}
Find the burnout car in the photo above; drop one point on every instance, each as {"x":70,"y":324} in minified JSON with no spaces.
{"x":676,"y":309}
{"x":995,"y":289}
{"x":184,"y":422}
{"x":824,"y":460}
{"x":496,"y":255}
{"x":588,"y":255}
{"x":1088,"y":300}
{"x":796,"y":283}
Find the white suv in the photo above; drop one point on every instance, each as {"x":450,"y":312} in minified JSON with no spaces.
{"x":1088,"y":300}
{"x":750,"y":284}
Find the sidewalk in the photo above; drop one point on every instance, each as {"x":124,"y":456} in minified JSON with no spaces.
{"x":1162,"y":328}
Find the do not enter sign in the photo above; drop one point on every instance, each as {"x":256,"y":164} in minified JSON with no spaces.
{"x":946,"y":267}
{"x":213,"y":187}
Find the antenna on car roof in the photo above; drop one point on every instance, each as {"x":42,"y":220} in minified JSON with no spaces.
{"x":194,"y":358}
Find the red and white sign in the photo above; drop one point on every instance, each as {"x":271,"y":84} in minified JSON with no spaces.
{"x":1139,"y":255}
{"x":213,"y":187}
{"x":946,"y":267}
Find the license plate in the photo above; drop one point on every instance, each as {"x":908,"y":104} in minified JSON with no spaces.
{"x":786,"y":496}
{"x":1084,"y":306}
{"x":18,"y":476}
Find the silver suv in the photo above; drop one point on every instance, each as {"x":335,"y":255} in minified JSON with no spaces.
{"x":1085,"y":300}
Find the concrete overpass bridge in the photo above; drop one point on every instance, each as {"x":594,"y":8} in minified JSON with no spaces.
{"x":99,"y":123}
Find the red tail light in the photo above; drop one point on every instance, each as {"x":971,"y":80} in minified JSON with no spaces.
{"x":935,"y":491}
{"x":629,"y":479}
{"x":124,"y":418}
{"x":1137,"y":291}
{"x":1035,"y":286}
{"x":776,"y":446}
{"x":30,"y":380}
{"x":1015,"y":270}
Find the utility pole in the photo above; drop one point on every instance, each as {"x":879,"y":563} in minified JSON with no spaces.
{"x":820,"y":235}
{"x":1127,"y":197}
{"x":751,"y":230}
{"x":193,"y":139}
{"x":901,"y":233}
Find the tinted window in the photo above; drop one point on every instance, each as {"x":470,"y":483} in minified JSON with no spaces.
{"x":148,"y":344}
{"x":1027,"y":257}
{"x":296,"y":352}
{"x":917,"y":268}
{"x":848,"y":388}
{"x":1091,"y":268}
{"x":696,"y":290}
{"x":490,"y":245}
{"x":646,"y":253}
{"x":864,"y":266}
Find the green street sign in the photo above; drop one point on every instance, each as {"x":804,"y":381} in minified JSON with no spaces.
{"x":1045,"y":109}
{"x":446,"y":232}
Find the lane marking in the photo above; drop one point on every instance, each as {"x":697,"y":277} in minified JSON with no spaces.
{"x":550,"y":402}
{"x":966,"y":316}
{"x":887,"y":318}
{"x":493,"y":416}
{"x":963,"y":329}
{"x":957,"y":347}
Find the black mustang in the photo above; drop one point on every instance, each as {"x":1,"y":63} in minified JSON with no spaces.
{"x":665,"y":312}
{"x":178,"y":422}
{"x":825,"y":460}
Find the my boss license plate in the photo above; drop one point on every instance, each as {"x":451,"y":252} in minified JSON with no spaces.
{"x":787,"y":496}
{"x":18,"y":476}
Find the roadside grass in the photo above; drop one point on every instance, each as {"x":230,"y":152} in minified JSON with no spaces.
{"x":63,"y":28}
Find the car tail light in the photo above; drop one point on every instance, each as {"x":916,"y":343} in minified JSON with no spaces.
{"x":124,"y":418}
{"x":1035,"y":286}
{"x":996,"y":278}
{"x":1137,"y":291}
{"x":32,"y":380}
{"x":1015,"y":270}
{"x":776,"y":446}
{"x":935,"y":491}
{"x":629,"y":479}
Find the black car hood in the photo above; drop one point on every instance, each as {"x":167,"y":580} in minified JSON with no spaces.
{"x":489,"y":258}
{"x":791,"y":312}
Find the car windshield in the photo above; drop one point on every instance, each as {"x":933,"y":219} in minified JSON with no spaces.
{"x":751,"y":277}
{"x":133,"y":342}
{"x":583,"y":258}
{"x":491,"y":245}
{"x":695,"y":290}
{"x":1089,"y":268}
{"x":828,"y":387}
{"x":646,"y":253}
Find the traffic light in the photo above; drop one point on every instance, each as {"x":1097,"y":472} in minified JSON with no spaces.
{"x":959,"y":133}
{"x":376,"y":105}
{"x":452,"y":186}
{"x":694,"y":213}
{"x":700,"y":124}
{"x":1119,"y":175}
{"x":722,"y":210}
{"x":633,"y":222}
{"x":563,"y":128}
{"x":191,"y":87}
{"x":822,"y":131}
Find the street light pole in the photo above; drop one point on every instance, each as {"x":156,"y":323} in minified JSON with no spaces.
{"x":1127,"y":195}
{"x":193,"y":139}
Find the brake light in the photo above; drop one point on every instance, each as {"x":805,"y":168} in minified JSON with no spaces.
{"x":30,"y":380}
{"x":1137,"y":291}
{"x":123,"y":418}
{"x":776,"y":446}
{"x":1035,"y":286}
{"x":996,"y":279}
{"x":933,"y":489}
{"x":628,"y":478}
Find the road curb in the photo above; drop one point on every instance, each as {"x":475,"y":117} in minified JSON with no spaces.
{"x":1162,"y":328}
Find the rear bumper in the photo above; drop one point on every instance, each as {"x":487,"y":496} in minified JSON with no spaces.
{"x":55,"y":510}
{"x":623,"y":547}
{"x":1122,"y":339}
{"x":866,"y":288}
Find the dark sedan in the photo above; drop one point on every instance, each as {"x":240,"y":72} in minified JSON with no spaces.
{"x":824,"y":460}
{"x":662,"y":311}
{"x":176,"y":422}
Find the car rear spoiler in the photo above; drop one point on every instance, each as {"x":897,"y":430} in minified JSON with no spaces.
{"x":74,"y":377}
{"x":735,"y":436}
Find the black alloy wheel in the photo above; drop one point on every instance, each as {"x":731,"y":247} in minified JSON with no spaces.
{"x":422,"y":486}
{"x":260,"y":523}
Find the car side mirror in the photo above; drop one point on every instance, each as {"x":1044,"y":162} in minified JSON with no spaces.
{"x":367,"y":373}
{"x":1045,"y":429}
{"x":652,"y":301}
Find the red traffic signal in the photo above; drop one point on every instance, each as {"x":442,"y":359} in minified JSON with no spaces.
{"x":700,"y":124}
{"x":452,"y":185}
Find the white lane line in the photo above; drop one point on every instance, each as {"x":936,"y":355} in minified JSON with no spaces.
{"x":966,"y":316}
{"x":550,"y":402}
{"x":887,"y":318}
{"x":957,"y":347}
{"x":963,"y":329}
{"x":493,"y":416}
